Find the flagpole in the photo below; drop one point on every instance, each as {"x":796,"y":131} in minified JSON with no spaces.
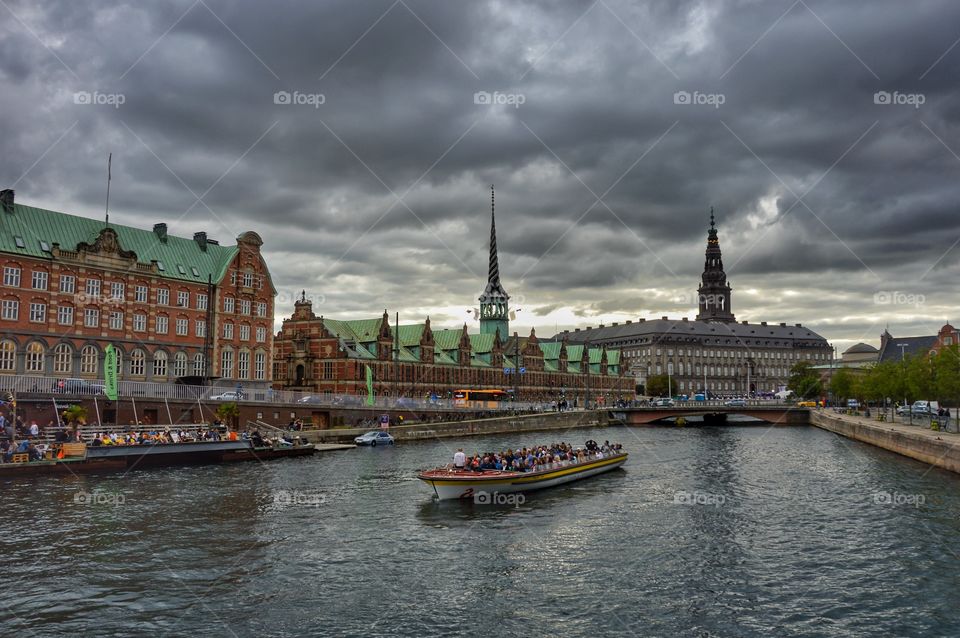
{"x":106,"y":221}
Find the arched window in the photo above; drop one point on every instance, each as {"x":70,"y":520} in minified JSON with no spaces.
{"x":180,"y":364}
{"x":8,"y":355}
{"x":199,"y":367}
{"x":62,"y":359}
{"x":226,"y":363}
{"x":259,"y":365}
{"x":35,"y":353}
{"x":243,"y":364}
{"x":88,"y":360}
{"x":160,"y":364}
{"x":137,"y":363}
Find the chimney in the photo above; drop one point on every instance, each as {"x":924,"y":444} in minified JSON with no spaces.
{"x":685,"y":319}
{"x":201,"y":239}
{"x":641,"y":319}
{"x":664,"y":318}
{"x":576,"y":329}
{"x":615,"y":323}
{"x":160,"y":230}
{"x":629,"y":321}
{"x":763,"y":323}
{"x":799,"y":326}
{"x":6,"y":200}
{"x":783,"y":324}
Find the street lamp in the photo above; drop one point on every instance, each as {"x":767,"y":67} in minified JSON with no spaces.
{"x":903,"y":364}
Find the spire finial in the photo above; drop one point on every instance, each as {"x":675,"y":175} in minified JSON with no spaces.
{"x":712,"y":225}
{"x":493,"y":275}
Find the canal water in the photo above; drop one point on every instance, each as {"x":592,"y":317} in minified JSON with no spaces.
{"x":736,"y":531}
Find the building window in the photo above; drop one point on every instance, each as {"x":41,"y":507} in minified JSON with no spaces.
{"x":116,"y":320}
{"x":201,"y":302}
{"x":228,"y":303}
{"x":245,"y":307}
{"x":68,"y":283}
{"x":259,"y":365}
{"x":163,"y":323}
{"x":34,"y":359}
{"x":65,"y":315}
{"x":163,"y":296}
{"x":261,"y":334}
{"x":200,"y":329}
{"x":183,"y":298}
{"x":11,"y":276}
{"x":137,"y":363}
{"x":40,"y":278}
{"x":328,"y":369}
{"x":228,"y":330}
{"x":139,"y":322}
{"x":199,"y":369}
{"x":180,"y":364}
{"x":243,"y":365}
{"x":160,"y":364}
{"x":62,"y":359}
{"x":248,"y":280}
{"x":233,"y":277}
{"x":140,"y":293}
{"x":11,"y":309}
{"x":93,"y":288}
{"x":244,"y":332}
{"x":38,"y":312}
{"x":226,"y":363}
{"x":182,"y":327}
{"x":91,"y":318}
{"x":8,"y":355}
{"x":261,"y":309}
{"x":88,"y":360}
{"x":117,"y":290}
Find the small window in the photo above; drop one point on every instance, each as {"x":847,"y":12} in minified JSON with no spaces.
{"x":193,"y":269}
{"x":160,"y":266}
{"x":19,"y":241}
{"x":181,"y":269}
{"x":44,"y":246}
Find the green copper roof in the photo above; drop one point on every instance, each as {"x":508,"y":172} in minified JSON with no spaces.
{"x":36,"y":225}
{"x":447,"y":339}
{"x":550,"y":349}
{"x":481,"y":342}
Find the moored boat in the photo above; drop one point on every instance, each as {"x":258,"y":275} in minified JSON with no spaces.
{"x":451,"y":483}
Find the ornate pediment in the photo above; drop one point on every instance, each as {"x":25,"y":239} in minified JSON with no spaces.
{"x":106,"y":245}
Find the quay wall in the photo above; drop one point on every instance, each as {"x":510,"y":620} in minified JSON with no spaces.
{"x":499,"y":425}
{"x":936,"y":448}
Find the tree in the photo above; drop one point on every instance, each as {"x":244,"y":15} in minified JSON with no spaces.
{"x":75,"y":414}
{"x":804,"y":380}
{"x":228,"y":413}
{"x":658,"y":385}
{"x":842,"y":384}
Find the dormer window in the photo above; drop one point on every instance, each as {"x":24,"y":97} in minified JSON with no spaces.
{"x":18,"y":240}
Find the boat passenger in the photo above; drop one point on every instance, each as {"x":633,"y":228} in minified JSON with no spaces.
{"x":459,"y":459}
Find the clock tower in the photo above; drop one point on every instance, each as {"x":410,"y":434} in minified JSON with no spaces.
{"x":494,"y":312}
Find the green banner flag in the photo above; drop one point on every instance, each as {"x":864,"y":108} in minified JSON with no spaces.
{"x":369,"y":385}
{"x":110,"y":373}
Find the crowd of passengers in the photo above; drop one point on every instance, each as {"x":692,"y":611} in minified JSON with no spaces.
{"x":543,"y":457}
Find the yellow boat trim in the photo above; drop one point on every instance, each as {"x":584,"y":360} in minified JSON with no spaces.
{"x":530,"y":479}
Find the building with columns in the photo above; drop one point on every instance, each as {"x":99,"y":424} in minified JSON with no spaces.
{"x":318,"y":354}
{"x":174,"y":308}
{"x":713,"y":351}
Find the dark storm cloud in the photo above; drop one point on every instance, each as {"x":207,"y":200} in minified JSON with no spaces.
{"x":378,"y":197}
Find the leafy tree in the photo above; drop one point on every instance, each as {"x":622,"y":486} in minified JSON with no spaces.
{"x":842,"y":384}
{"x":919,"y":381}
{"x":658,"y":385}
{"x":228,"y":413}
{"x":75,"y":414}
{"x":804,"y":380}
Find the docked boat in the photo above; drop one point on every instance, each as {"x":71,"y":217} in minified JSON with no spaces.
{"x":449,"y":483}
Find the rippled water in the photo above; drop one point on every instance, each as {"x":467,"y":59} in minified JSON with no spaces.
{"x":738,"y":531}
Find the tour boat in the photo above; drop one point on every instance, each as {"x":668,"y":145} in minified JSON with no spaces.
{"x":449,"y":483}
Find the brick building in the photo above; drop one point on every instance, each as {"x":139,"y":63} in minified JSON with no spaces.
{"x":174,"y":308}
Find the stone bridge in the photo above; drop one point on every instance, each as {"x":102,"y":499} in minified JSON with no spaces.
{"x":713,"y":415}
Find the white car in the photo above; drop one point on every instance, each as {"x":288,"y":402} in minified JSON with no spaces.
{"x":226,"y":396}
{"x":374,"y":438}
{"x":664,"y":402}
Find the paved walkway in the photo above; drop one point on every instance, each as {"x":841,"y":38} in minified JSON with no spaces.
{"x":920,"y":428}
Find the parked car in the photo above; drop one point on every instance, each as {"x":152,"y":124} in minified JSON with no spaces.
{"x":226,"y":396}
{"x":735,"y":403}
{"x":347,"y":400}
{"x":373,"y":438}
{"x":313,"y":399}
{"x":662,"y":402}
{"x":808,"y":404}
{"x":919,"y":408}
{"x":77,"y":386}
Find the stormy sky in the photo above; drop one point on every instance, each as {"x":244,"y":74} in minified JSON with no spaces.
{"x":360,"y":138}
